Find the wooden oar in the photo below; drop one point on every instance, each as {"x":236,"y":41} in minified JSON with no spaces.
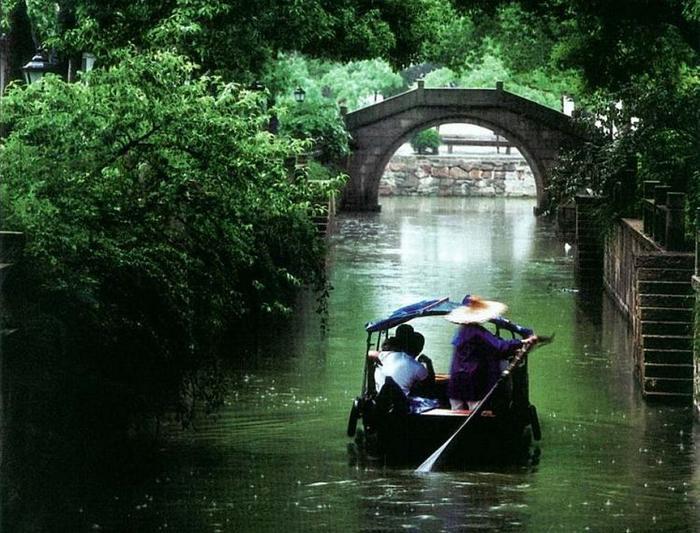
{"x":428,"y":464}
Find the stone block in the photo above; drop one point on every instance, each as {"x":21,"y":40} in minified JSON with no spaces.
{"x":667,"y":387}
{"x":428,"y":185}
{"x":668,"y":371}
{"x":668,"y":301}
{"x":441,"y":172}
{"x":486,"y":174}
{"x":458,"y":172}
{"x":669,"y":357}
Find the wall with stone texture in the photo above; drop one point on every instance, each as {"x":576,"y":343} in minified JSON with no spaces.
{"x":477,"y":175}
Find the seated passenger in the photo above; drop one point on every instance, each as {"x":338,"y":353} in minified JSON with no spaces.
{"x":478,"y":357}
{"x":395,"y":363}
{"x":414,"y":349}
{"x":412,"y":343}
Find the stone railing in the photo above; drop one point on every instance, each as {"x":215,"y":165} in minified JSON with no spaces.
{"x":663,"y":216}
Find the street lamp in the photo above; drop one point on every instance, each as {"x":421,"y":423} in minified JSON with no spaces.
{"x":299,"y":94}
{"x":36,"y":68}
{"x":88,"y":62}
{"x":257,"y":86}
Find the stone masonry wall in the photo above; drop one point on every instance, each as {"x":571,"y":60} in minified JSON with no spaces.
{"x":478,"y":175}
{"x":654,"y":287}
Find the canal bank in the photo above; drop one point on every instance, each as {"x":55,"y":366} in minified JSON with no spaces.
{"x":645,"y":267}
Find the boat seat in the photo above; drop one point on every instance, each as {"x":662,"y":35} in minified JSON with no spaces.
{"x":456,"y":412}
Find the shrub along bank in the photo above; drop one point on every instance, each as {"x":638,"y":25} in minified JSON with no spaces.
{"x":162,"y":221}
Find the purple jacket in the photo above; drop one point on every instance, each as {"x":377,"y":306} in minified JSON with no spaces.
{"x":476,"y":360}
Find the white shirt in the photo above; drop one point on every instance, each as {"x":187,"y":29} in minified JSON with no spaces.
{"x":402,"y":368}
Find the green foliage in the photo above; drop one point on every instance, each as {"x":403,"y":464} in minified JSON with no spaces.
{"x":535,"y":85}
{"x":236,"y":38}
{"x":319,"y":122}
{"x":656,"y":132}
{"x":160,"y":217}
{"x":426,"y":141}
{"x":354,"y":83}
{"x":441,"y":77}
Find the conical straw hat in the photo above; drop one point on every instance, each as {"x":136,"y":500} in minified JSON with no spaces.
{"x":476,"y":311}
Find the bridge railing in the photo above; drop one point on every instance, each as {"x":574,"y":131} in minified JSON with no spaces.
{"x":663,"y":216}
{"x":457,"y":140}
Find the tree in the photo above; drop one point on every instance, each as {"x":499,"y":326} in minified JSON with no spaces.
{"x":426,"y":141}
{"x":236,"y":38}
{"x":159,"y":214}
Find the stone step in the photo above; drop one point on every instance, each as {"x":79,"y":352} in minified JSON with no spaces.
{"x":667,"y":342}
{"x":665,"y":287}
{"x":668,"y":386}
{"x":653,"y":370}
{"x":667,"y":356}
{"x":667,"y":328}
{"x":589,"y":262}
{"x":670,"y":397}
{"x":665,"y":300}
{"x":666,"y":314}
{"x":663,"y":274}
{"x":666,"y":260}
{"x":588,"y":244}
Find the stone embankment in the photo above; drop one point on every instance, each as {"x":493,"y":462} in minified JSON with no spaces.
{"x":478,"y":175}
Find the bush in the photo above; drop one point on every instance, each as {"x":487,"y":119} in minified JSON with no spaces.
{"x":426,"y":141}
{"x":320,"y":123}
{"x":657,"y":130}
{"x":161,"y":221}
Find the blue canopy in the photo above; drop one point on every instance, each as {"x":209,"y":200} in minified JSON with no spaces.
{"x":439,"y":306}
{"x":435,"y":307}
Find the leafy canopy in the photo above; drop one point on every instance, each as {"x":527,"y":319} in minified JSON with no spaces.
{"x":159,"y":213}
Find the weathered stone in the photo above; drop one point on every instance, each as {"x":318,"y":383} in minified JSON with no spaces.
{"x":428,"y":185}
{"x":458,"y":172}
{"x":441,"y":172}
{"x":409,"y":170}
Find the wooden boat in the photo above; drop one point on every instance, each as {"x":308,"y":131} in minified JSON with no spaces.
{"x":501,"y":432}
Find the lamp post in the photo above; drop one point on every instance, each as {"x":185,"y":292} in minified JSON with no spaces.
{"x":299,"y":94}
{"x":36,"y":68}
{"x":257,"y":86}
{"x":88,"y":62}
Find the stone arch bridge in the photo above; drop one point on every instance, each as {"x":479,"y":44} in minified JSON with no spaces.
{"x":380,"y":129}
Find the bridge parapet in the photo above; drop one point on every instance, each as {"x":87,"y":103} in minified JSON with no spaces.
{"x":460,"y":98}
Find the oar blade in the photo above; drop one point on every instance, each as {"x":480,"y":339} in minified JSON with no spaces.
{"x":429,"y":463}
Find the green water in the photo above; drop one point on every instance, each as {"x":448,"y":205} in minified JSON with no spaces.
{"x":276,"y":457}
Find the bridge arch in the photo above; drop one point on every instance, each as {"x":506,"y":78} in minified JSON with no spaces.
{"x":379,"y":130}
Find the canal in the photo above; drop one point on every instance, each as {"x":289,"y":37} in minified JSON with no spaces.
{"x":276,"y":457}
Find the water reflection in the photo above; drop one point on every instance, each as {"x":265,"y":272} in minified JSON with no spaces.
{"x":275,"y":457}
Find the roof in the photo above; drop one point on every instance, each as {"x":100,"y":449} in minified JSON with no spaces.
{"x":434,"y":307}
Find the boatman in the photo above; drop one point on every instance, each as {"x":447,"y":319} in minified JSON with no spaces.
{"x":479,"y":356}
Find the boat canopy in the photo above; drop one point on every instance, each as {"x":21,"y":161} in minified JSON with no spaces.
{"x":435,"y":307}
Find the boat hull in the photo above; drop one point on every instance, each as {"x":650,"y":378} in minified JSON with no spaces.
{"x":410,"y":439}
